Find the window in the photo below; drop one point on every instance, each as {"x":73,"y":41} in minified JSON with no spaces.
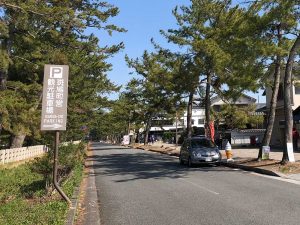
{"x":200,"y":121}
{"x":193,"y":122}
{"x":297,"y":89}
{"x":198,"y":143}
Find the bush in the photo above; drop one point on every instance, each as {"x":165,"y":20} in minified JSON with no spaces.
{"x":43,"y":166}
{"x":22,"y":189}
{"x":168,"y":137}
{"x":68,"y":157}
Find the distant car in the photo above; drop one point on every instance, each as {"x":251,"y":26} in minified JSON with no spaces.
{"x":199,"y":150}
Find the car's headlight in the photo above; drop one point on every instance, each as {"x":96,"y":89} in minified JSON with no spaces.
{"x":216,"y":155}
{"x":213,"y":153}
{"x":196,"y":154}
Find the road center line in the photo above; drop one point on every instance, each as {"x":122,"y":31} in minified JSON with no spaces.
{"x":199,"y":186}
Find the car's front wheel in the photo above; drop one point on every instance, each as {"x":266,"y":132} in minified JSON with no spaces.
{"x":190,"y":164}
{"x":181,"y":162}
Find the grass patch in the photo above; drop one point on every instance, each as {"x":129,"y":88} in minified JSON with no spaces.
{"x":286,"y":169}
{"x":20,"y":211}
{"x":19,"y":182}
{"x":24,"y":199}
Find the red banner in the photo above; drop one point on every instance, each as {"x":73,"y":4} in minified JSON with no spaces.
{"x":212,"y":130}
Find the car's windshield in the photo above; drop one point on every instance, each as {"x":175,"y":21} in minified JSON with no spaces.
{"x":198,"y":143}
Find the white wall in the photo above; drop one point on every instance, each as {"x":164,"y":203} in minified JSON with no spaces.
{"x":196,"y":115}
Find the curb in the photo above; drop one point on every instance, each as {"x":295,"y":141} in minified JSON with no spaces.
{"x":163,"y":153}
{"x":253,"y":169}
{"x":157,"y":151}
{"x":72,"y":209}
{"x":71,"y":215}
{"x":232,"y":165}
{"x":228,"y":164}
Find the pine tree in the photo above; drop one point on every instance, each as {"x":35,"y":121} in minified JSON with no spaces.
{"x":53,"y":32}
{"x":153,"y":91}
{"x":212,"y":33}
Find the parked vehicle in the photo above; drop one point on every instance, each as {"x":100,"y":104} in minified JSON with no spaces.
{"x":198,"y":150}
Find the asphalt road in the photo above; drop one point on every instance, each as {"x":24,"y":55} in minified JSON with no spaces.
{"x":136,"y":187}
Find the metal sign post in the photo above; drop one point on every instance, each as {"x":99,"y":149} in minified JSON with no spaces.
{"x":56,"y":185}
{"x":54,"y":109}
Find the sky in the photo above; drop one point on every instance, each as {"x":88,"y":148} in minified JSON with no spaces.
{"x":143,"y":19}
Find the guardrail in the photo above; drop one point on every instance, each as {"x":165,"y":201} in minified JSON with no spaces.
{"x":18,"y":154}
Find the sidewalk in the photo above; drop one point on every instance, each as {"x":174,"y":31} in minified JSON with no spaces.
{"x":244,"y":158}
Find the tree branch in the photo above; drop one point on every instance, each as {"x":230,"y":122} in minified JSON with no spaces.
{"x":18,"y":7}
{"x":19,"y":57}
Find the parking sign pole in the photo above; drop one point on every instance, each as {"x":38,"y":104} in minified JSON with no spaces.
{"x":57,"y":187}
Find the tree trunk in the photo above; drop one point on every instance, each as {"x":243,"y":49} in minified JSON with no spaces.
{"x":273,"y":103}
{"x":17,"y":141}
{"x":189,"y":114}
{"x":137,"y":137}
{"x":288,"y":113}
{"x":148,"y":126}
{"x":2,"y":80}
{"x":207,"y":104}
{"x":272,"y":111}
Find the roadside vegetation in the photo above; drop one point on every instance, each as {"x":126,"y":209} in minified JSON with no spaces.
{"x":26,"y":195}
{"x":35,"y":33}
{"x":32,"y":34}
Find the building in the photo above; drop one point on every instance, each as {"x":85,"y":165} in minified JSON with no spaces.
{"x":161,"y":125}
{"x":198,"y":117}
{"x":243,"y":100}
{"x":277,"y":138}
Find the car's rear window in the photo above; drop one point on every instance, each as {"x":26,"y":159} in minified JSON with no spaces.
{"x":197,"y":143}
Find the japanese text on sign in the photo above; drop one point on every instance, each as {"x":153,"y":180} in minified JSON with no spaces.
{"x":55,"y":91}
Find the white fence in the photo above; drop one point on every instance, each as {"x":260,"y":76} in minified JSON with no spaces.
{"x":18,"y":154}
{"x":243,"y":137}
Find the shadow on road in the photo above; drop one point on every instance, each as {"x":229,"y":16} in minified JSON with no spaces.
{"x":134,"y":166}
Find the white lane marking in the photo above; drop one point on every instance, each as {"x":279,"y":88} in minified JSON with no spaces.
{"x":278,"y":178}
{"x":199,"y":186}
